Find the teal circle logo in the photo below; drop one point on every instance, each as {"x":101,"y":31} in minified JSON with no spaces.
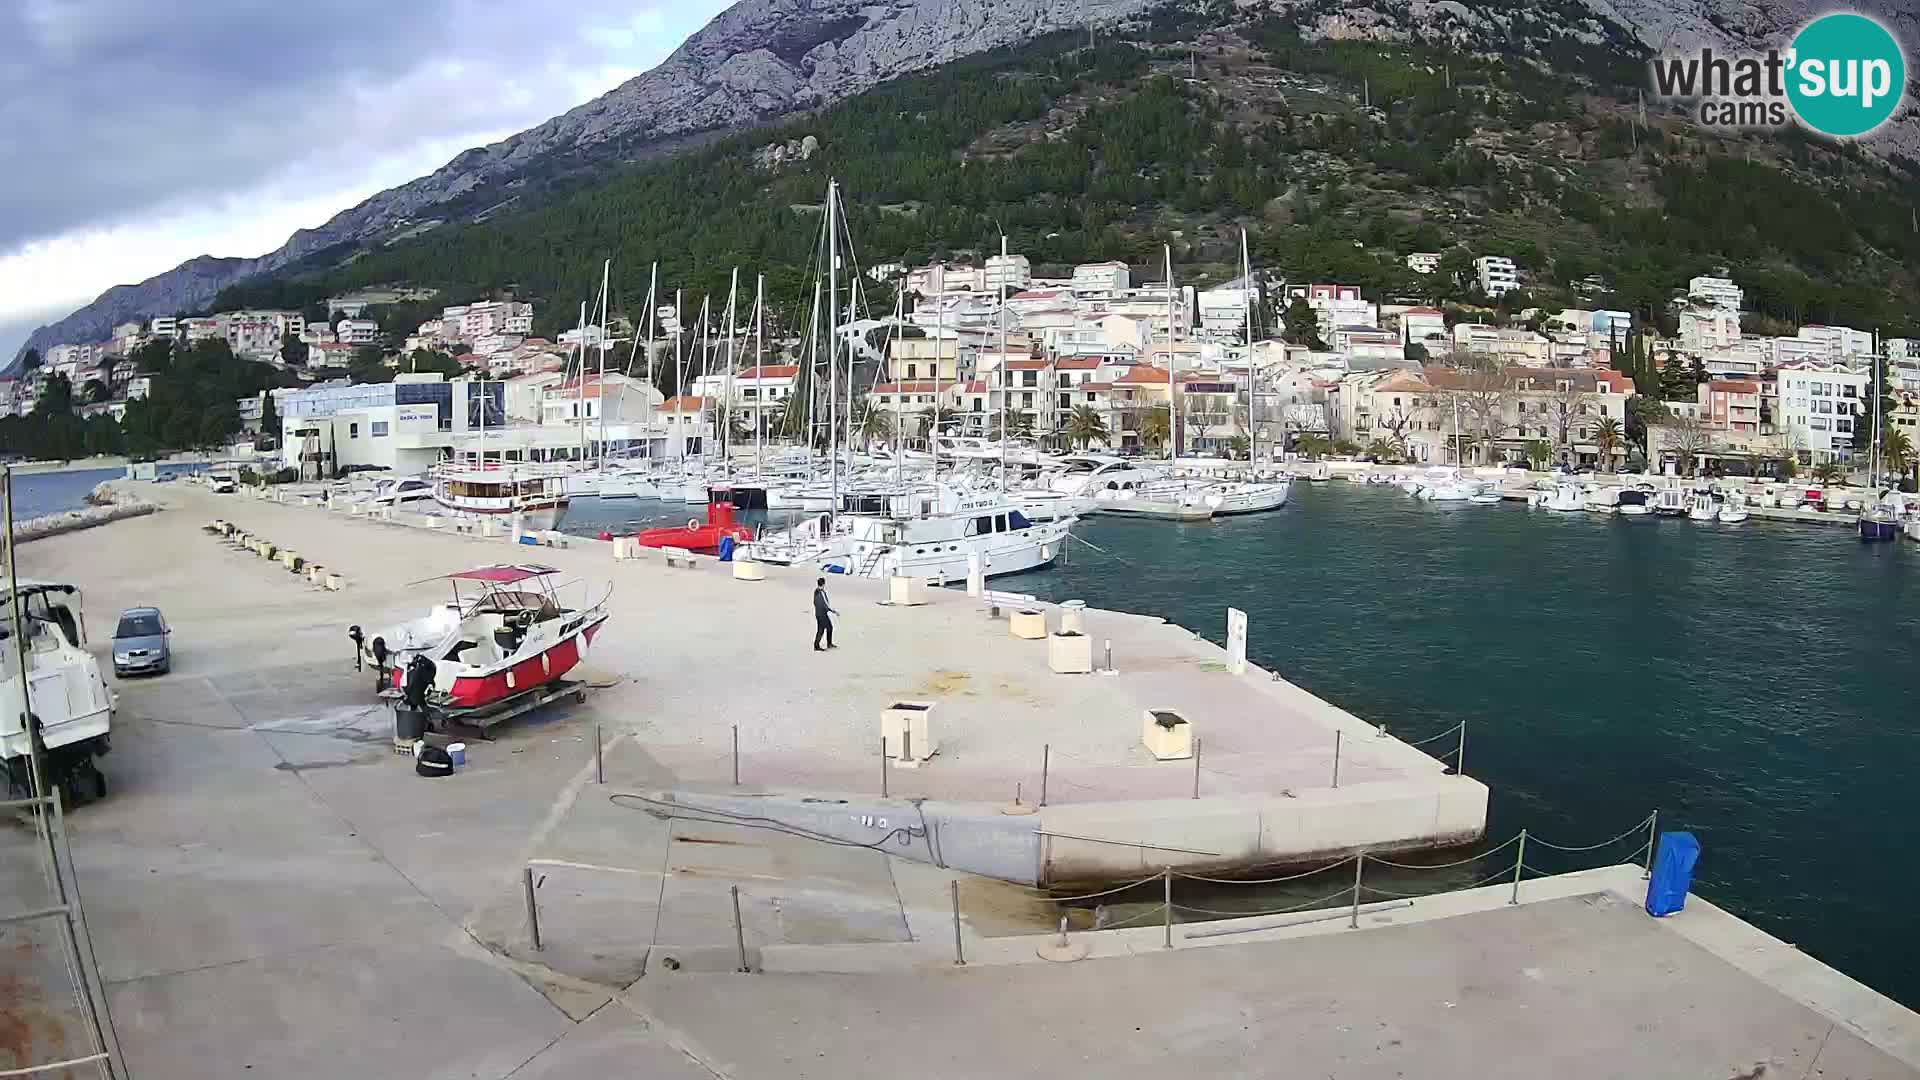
{"x":1846,"y":75}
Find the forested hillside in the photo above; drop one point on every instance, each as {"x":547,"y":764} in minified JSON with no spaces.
{"x":1339,"y":157}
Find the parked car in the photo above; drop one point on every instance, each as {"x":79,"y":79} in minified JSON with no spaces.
{"x":223,"y":483}
{"x":141,"y":643}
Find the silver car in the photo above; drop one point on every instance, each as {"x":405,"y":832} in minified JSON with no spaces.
{"x":140,"y":643}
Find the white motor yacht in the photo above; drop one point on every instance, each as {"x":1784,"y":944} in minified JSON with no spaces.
{"x":1602,"y":499}
{"x":1670,"y":502}
{"x":1734,"y":510}
{"x":1701,"y":507}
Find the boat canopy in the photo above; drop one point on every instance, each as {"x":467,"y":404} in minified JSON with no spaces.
{"x":503,"y":574}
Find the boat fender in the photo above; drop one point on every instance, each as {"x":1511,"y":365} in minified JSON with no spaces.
{"x":693,"y":524}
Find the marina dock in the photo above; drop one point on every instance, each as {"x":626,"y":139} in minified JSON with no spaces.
{"x":272,"y":892}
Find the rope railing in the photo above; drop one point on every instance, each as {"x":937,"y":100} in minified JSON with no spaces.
{"x":1501,"y":874}
{"x":1638,"y":826}
{"x":1344,"y":891}
{"x":1265,"y":881}
{"x":1452,"y":732}
{"x":1446,"y":865}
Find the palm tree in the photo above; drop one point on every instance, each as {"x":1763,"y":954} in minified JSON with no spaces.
{"x":926,"y":418}
{"x":1382,"y":451}
{"x":1538,"y":454}
{"x":1897,"y":451}
{"x":1156,"y":427}
{"x":1828,"y":472}
{"x":1607,"y":437}
{"x":1313,"y":446}
{"x":1085,"y":426}
{"x":871,"y":423}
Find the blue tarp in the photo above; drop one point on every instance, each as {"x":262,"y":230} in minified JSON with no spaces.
{"x":1672,"y":873}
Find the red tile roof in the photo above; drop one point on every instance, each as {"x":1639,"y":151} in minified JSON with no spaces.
{"x":769,"y":371}
{"x":685,"y":403}
{"x":1078,"y":364}
{"x":1733,"y":386}
{"x":923,"y":386}
{"x":1141,"y":374}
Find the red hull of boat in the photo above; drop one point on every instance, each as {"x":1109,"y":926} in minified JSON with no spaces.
{"x":697,"y":537}
{"x":479,"y":691}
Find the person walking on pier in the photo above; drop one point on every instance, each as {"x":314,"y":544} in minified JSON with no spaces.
{"x":822,"y":624}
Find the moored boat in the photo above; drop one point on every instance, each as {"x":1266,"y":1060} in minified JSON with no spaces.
{"x":539,"y":499}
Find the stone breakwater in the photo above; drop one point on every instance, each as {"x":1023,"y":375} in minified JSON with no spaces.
{"x":104,"y":504}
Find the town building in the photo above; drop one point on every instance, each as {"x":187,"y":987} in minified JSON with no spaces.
{"x":1011,"y":272}
{"x":163,"y":326}
{"x":1705,"y":328}
{"x":1426,"y":327}
{"x":929,"y":357}
{"x":1838,"y":342}
{"x":1335,"y":306}
{"x":330,"y":354}
{"x":1819,"y":404}
{"x":596,"y":399}
{"x":1424,"y":262}
{"x":1716,"y":292}
{"x":356,"y":331}
{"x":1101,"y":277}
{"x":1496,"y":274}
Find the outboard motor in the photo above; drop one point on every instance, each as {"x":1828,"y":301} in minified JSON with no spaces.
{"x":420,"y":672}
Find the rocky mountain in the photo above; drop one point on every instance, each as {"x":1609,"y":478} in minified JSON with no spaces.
{"x":761,"y":59}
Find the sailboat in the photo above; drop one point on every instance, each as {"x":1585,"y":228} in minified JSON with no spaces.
{"x":1879,"y":522}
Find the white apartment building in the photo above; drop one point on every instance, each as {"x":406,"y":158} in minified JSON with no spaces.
{"x":1335,"y":306}
{"x":1102,"y":277}
{"x":1496,"y":274}
{"x":1741,"y":360}
{"x":253,"y":334}
{"x":163,"y":326}
{"x":939,"y":277}
{"x":1838,"y":342}
{"x":1818,"y":407}
{"x":612,"y":399}
{"x":1716,"y":292}
{"x":1706,"y":328}
{"x":1012,"y":272}
{"x":752,"y":392}
{"x":200,"y":329}
{"x":909,"y":359}
{"x":1223,"y":308}
{"x":474,"y":321}
{"x":330,"y":354}
{"x":1424,"y":326}
{"x":1901,"y":350}
{"x":1424,"y":262}
{"x":356,"y":331}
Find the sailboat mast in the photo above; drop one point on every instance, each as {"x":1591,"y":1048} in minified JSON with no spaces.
{"x":1253,"y":421}
{"x":653,"y":281}
{"x":581,"y":384}
{"x":1173,"y":363}
{"x":833,"y":347}
{"x":939,"y":349}
{"x":1873,"y":463}
{"x":900,"y":416}
{"x":706,"y":358}
{"x":680,"y":378}
{"x":759,"y":364}
{"x":733,"y":368}
{"x":1006,"y":384}
{"x":606,"y":304}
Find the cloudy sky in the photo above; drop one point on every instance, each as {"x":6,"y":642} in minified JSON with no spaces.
{"x":138,"y":134}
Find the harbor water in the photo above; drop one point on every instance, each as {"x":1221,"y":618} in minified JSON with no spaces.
{"x":1750,"y":682}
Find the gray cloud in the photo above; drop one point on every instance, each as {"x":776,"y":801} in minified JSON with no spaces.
{"x":115,"y":109}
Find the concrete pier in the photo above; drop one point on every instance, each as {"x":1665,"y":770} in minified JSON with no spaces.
{"x":272,"y":892}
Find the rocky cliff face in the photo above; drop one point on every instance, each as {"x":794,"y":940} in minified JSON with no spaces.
{"x":763,"y":58}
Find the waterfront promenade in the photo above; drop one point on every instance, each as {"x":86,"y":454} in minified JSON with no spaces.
{"x":272,"y":892}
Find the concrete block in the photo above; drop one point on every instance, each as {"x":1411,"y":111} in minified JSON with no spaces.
{"x":1028,"y":624}
{"x":907,"y":729}
{"x":1070,"y":653}
{"x":335,"y":582}
{"x":1166,"y":734}
{"x":290,"y":560}
{"x":489,"y":527}
{"x":906,"y":591}
{"x":316,"y":574}
{"x":624,"y":548}
{"x":748,"y":570}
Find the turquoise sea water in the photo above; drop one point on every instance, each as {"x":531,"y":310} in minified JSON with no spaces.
{"x":1754,"y":683}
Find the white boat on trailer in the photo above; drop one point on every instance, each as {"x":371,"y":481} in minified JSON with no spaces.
{"x":63,"y":691}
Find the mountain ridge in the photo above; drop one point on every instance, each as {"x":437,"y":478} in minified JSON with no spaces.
{"x":760,"y":60}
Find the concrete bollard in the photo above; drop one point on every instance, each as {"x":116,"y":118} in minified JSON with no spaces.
{"x":290,"y":560}
{"x":748,"y":570}
{"x":335,"y":583}
{"x":316,"y":574}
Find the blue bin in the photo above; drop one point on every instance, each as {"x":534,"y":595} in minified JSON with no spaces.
{"x":1672,"y":873}
{"x":726,"y":549}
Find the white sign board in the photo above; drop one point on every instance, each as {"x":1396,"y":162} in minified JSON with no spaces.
{"x":1236,"y":641}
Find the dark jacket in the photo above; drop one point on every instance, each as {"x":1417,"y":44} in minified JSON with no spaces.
{"x":820,"y":606}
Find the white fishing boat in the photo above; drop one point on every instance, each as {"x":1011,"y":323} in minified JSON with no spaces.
{"x":1565,"y":498}
{"x":508,"y":631}
{"x":69,"y":697}
{"x":1163,"y":500}
{"x":1635,"y":503}
{"x":1670,"y":502}
{"x":1486,"y":497}
{"x":1602,"y":499}
{"x":1734,"y":510}
{"x":1702,"y":507}
{"x":503,"y":491}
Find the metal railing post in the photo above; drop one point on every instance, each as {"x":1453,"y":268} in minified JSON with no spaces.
{"x":1519,"y":863}
{"x":80,"y":942}
{"x":1337,"y":739}
{"x":1653,"y":841}
{"x":959,"y":954}
{"x":1166,"y":877}
{"x":1359,"y":867}
{"x":599,"y":757}
{"x":1046,"y":765}
{"x":1460,"y":755}
{"x":883,"y":767}
{"x":739,"y":933}
{"x":1196,"y":766}
{"x":533,"y":911}
{"x":736,"y":755}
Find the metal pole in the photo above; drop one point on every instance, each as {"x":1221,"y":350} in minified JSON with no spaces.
{"x":533,"y":911}
{"x":1336,"y":758}
{"x":736,"y":755}
{"x":739,"y":934}
{"x":1359,"y":866}
{"x":1166,"y":876}
{"x":1109,"y":654}
{"x":883,"y":767}
{"x":1653,"y":841}
{"x":1519,"y":862}
{"x":80,"y":944}
{"x":1046,"y":764}
{"x":959,"y":955}
{"x":1460,"y":755}
{"x":1196,"y":766}
{"x":599,"y":758}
